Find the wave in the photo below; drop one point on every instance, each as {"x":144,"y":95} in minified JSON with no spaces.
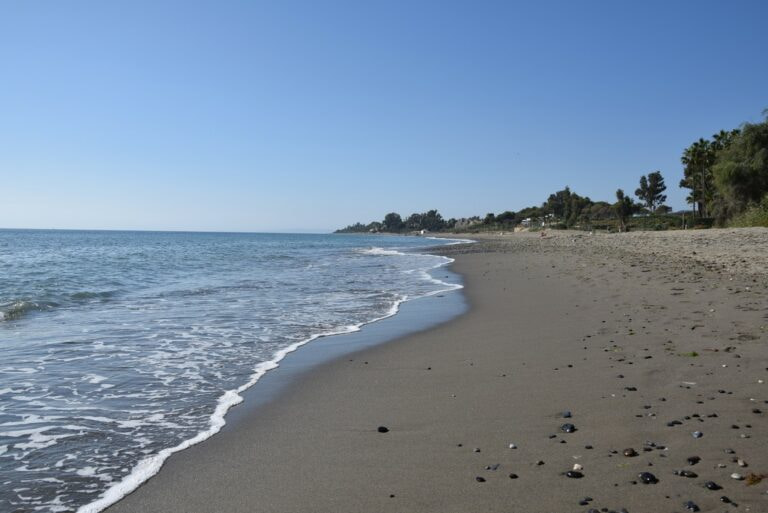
{"x":151,"y":465}
{"x":86,"y":295}
{"x":14,"y":310}
{"x":380,"y":251}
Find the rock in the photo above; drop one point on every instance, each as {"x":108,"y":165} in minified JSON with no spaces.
{"x":513,"y":476}
{"x":686,"y":473}
{"x":539,"y":463}
{"x":493,"y":467}
{"x":512,"y":446}
{"x":737,"y":476}
{"x":697,"y":434}
{"x":568,"y":428}
{"x":382,"y":429}
{"x":691,"y":506}
{"x":693,"y":460}
{"x":647,"y":478}
{"x":574,"y":474}
{"x":725,"y":500}
{"x":476,"y":449}
{"x":673,"y":423}
{"x":577,"y":466}
{"x":480,"y":479}
{"x":711,"y":485}
{"x":741,"y":463}
{"x":567,"y":414}
{"x":630,"y":453}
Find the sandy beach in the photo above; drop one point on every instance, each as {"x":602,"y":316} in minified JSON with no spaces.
{"x":621,"y":372}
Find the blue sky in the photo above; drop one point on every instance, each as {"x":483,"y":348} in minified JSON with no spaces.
{"x":307,"y":116}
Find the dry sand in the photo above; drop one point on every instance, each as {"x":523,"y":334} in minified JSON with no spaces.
{"x":627,"y":332}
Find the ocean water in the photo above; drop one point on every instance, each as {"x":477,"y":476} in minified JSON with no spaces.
{"x":120,"y":348}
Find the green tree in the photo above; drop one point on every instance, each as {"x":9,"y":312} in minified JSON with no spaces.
{"x":624,"y":208}
{"x":741,"y":170}
{"x":393,"y":222}
{"x":651,"y":190}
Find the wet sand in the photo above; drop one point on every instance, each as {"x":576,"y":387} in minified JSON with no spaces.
{"x":637,"y":340}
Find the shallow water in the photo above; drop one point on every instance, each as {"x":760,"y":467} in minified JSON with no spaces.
{"x":119,"y":348}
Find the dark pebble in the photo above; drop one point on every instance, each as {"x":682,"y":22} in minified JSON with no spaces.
{"x":476,"y":449}
{"x":382,"y":429}
{"x":480,"y":479}
{"x":693,"y":460}
{"x":630,"y":453}
{"x":647,"y":478}
{"x":757,"y":411}
{"x":513,"y":476}
{"x":686,"y":473}
{"x":630,"y":389}
{"x":691,"y":506}
{"x":588,"y":447}
{"x":539,"y":463}
{"x":574,"y":474}
{"x":567,"y":415}
{"x":674,"y":423}
{"x":568,"y":428}
{"x":711,"y":485}
{"x":495,"y":466}
{"x":725,"y":500}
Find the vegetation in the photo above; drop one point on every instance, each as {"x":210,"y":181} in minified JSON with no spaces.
{"x":651,"y":189}
{"x":727,"y":179}
{"x":728,"y":175}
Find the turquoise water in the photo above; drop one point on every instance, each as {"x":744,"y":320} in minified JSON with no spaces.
{"x":119,"y":348}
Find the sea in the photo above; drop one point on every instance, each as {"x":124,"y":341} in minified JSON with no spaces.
{"x":118,"y":349}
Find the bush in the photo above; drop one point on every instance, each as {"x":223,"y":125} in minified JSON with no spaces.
{"x":756,"y":215}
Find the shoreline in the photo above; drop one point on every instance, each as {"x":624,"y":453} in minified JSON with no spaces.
{"x":609,"y":338}
{"x":289,"y":364}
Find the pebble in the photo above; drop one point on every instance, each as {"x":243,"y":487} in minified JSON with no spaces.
{"x":686,"y":473}
{"x":568,"y":428}
{"x":691,"y":506}
{"x":513,"y":476}
{"x":725,"y":500}
{"x":480,"y":479}
{"x":476,"y":449}
{"x":741,"y":463}
{"x":647,"y":478}
{"x":574,"y":474}
{"x":382,"y":429}
{"x":693,"y":460}
{"x":577,"y":466}
{"x":697,"y":434}
{"x":673,"y":423}
{"x":495,"y":466}
{"x":512,"y":446}
{"x":567,"y":415}
{"x":737,"y":476}
{"x":540,"y":462}
{"x":711,"y":485}
{"x":630,"y":453}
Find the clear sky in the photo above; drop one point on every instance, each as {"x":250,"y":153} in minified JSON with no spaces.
{"x":307,"y":116}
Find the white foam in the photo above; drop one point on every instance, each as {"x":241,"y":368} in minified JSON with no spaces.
{"x":380,"y":251}
{"x":454,"y":241}
{"x":151,"y":465}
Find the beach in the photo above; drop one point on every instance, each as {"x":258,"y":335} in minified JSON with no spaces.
{"x":617,"y":371}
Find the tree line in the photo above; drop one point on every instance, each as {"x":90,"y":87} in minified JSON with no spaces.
{"x":727,"y":179}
